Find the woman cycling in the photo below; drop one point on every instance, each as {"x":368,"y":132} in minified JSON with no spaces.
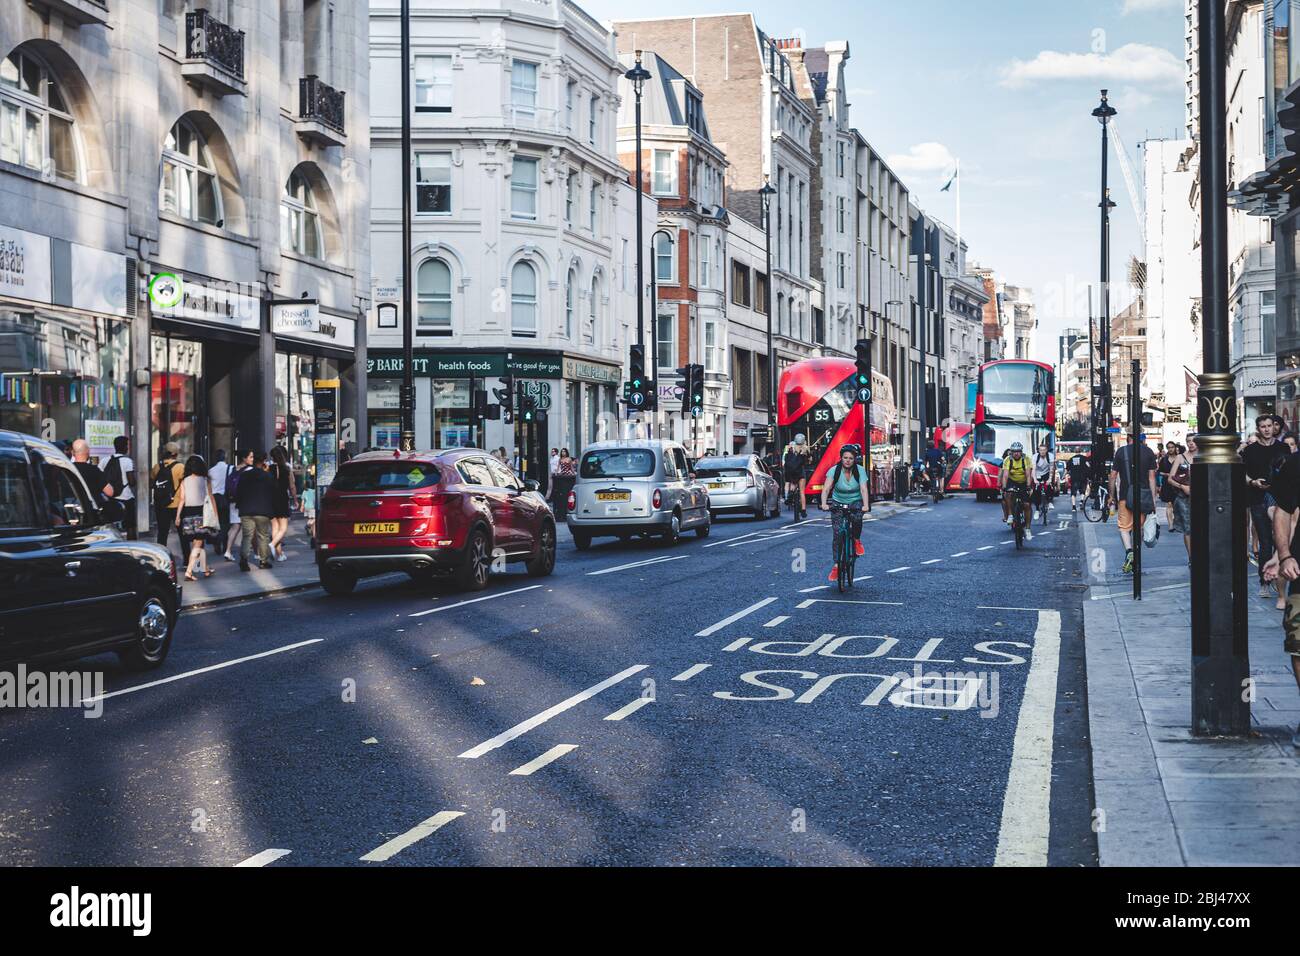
{"x":846,"y":487}
{"x":1044,"y":476}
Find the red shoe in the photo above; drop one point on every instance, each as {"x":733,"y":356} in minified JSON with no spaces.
{"x":857,"y":546}
{"x":835,"y":574}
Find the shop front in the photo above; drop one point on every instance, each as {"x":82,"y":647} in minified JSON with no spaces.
{"x":314,"y":350}
{"x":204,"y":364}
{"x":65,"y":340}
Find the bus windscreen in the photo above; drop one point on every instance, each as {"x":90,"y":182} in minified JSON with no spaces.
{"x":1016,"y":391}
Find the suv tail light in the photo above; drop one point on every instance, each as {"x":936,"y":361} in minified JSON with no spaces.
{"x":658,"y":499}
{"x":572,"y":502}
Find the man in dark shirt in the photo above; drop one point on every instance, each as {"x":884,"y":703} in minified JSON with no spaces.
{"x":1286,"y":534}
{"x":101,"y":489}
{"x":1259,"y":457}
{"x":255,"y":499}
{"x":1120,"y":473}
{"x":1079,"y":470}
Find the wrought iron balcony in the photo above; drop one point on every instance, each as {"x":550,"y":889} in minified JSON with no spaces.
{"x":214,"y":53}
{"x":320,"y":112}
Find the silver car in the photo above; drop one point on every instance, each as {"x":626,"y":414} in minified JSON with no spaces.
{"x":636,"y":487}
{"x":739,"y":483}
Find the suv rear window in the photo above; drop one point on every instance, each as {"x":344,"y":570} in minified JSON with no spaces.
{"x":721,"y":468}
{"x":385,"y":476}
{"x":618,"y":463}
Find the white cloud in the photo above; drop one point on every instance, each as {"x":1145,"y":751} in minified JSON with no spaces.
{"x":1131,"y":63}
{"x":923,"y":158}
{"x":1148,"y":6}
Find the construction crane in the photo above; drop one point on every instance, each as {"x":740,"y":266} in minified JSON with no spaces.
{"x":1139,"y":208}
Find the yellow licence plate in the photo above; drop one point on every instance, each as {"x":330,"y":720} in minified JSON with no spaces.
{"x":375,"y":527}
{"x":716,"y":485}
{"x":613,"y":496}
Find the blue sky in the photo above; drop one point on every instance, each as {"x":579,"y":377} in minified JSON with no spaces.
{"x":1008,"y":87}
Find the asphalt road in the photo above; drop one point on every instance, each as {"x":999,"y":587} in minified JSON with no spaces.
{"x":710,"y":703}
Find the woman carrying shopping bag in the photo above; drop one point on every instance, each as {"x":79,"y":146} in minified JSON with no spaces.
{"x":197,"y":518}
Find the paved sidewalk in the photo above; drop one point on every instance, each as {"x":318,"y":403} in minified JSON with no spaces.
{"x":1165,"y":797}
{"x":230,"y":584}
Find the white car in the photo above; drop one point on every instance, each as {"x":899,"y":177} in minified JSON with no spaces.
{"x":739,"y":483}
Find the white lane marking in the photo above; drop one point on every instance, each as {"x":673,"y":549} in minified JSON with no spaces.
{"x":201,"y":670}
{"x":820,"y":587}
{"x":805,"y":521}
{"x":631,"y":707}
{"x":1008,"y":541}
{"x":263,"y":858}
{"x":959,"y":554}
{"x":1127,"y":592}
{"x":763,"y":540}
{"x":734,"y":618}
{"x":1026,"y":821}
{"x":906,"y":567}
{"x":692,"y":671}
{"x":778,"y":620}
{"x":538,"y":719}
{"x":985,"y":607}
{"x":488,"y":597}
{"x":932,"y":561}
{"x":636,"y":564}
{"x":811,"y":601}
{"x":987,"y":547}
{"x":739,"y":537}
{"x":414,"y":835}
{"x":737,"y":644}
{"x":537,"y":763}
{"x":1041,"y":533}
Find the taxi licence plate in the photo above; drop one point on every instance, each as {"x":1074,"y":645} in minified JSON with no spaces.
{"x":613,"y":496}
{"x":375,"y":527}
{"x":716,"y":485}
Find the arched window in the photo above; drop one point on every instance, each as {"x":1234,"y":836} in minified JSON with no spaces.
{"x":189,"y":186}
{"x":523,"y":299}
{"x":36,"y":129}
{"x":300,"y":230}
{"x":433,"y":289}
{"x":593,"y":313}
{"x":570,"y":293}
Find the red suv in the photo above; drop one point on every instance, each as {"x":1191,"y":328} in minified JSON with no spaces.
{"x":430,"y":513}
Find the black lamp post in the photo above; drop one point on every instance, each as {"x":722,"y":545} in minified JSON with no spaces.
{"x":1100,"y":443}
{"x":407,"y":396}
{"x":638,"y":76}
{"x":654,"y":316}
{"x":1220,"y":658}
{"x":765,"y":194}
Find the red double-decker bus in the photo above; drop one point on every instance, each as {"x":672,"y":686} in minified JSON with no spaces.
{"x":817,"y":398}
{"x":1015,"y":401}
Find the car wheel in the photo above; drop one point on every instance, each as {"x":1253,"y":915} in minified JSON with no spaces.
{"x":544,"y":563}
{"x":337,"y":583}
{"x":674,"y":532}
{"x":153,"y":633}
{"x":776,"y":506}
{"x":582,"y":540}
{"x":703,"y":530}
{"x":476,"y":565}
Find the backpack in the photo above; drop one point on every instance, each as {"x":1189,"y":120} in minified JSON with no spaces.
{"x":839,"y":470}
{"x":164,"y":485}
{"x":793,"y":465}
{"x":232,"y":482}
{"x":113,"y":472}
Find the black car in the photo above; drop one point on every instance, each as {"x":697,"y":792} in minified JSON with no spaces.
{"x":70,"y":584}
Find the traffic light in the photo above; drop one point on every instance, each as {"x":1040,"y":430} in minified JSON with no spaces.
{"x":638,"y":396}
{"x":862,"y":371}
{"x":504,"y":394}
{"x":479,"y":405}
{"x":693,"y":390}
{"x":527,"y":408}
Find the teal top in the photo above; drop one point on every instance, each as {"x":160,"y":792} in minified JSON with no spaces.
{"x":848,"y":490}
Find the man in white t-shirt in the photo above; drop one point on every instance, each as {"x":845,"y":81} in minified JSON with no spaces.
{"x":120,"y":472}
{"x":218,"y":475}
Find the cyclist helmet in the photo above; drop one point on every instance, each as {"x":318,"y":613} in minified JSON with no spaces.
{"x":799,"y":439}
{"x":853,"y":450}
{"x":1016,"y":446}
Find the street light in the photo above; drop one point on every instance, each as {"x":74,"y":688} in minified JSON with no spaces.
{"x":1100,"y":444}
{"x":638,"y":76}
{"x":407,"y":395}
{"x":765,"y":194}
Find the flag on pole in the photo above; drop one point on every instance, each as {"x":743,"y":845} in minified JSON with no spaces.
{"x":953,"y":178}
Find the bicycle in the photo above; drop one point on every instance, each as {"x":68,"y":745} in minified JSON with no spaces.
{"x":1096,"y":506}
{"x":1018,"y":498}
{"x":1044,"y":499}
{"x":842,"y":523}
{"x":936,"y":486}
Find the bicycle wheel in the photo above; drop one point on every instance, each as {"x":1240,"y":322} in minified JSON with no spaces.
{"x":1019,"y":525}
{"x":1093,"y":509}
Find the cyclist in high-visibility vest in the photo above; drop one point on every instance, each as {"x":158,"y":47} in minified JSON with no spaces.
{"x":1017,"y":471}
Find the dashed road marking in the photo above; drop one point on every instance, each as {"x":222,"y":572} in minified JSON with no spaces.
{"x":987,"y":547}
{"x":414,"y":835}
{"x":763,"y":540}
{"x":820,"y":587}
{"x":635,"y":564}
{"x":630,"y":708}
{"x":488,"y":597}
{"x":692,"y":671}
{"x":263,"y":858}
{"x":959,"y":554}
{"x":538,"y":762}
{"x":811,"y":601}
{"x":932,"y":561}
{"x":906,"y":567}
{"x":737,"y":644}
{"x":538,"y":719}
{"x":734,"y":617}
{"x":778,"y":620}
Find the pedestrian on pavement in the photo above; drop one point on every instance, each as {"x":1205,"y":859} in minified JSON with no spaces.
{"x":165,"y":484}
{"x":1179,"y":486}
{"x":566,"y":476}
{"x":219,"y":475}
{"x":1286,"y":536}
{"x":196,"y":518}
{"x":1259,"y":457}
{"x":120,"y":472}
{"x":255,"y":499}
{"x":309,"y":508}
{"x":101,"y":490}
{"x":1136,"y":505}
{"x":284,"y":500}
{"x":1164,"y":464}
{"x":517,"y":464}
{"x":232,"y":489}
{"x":552,"y":469}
